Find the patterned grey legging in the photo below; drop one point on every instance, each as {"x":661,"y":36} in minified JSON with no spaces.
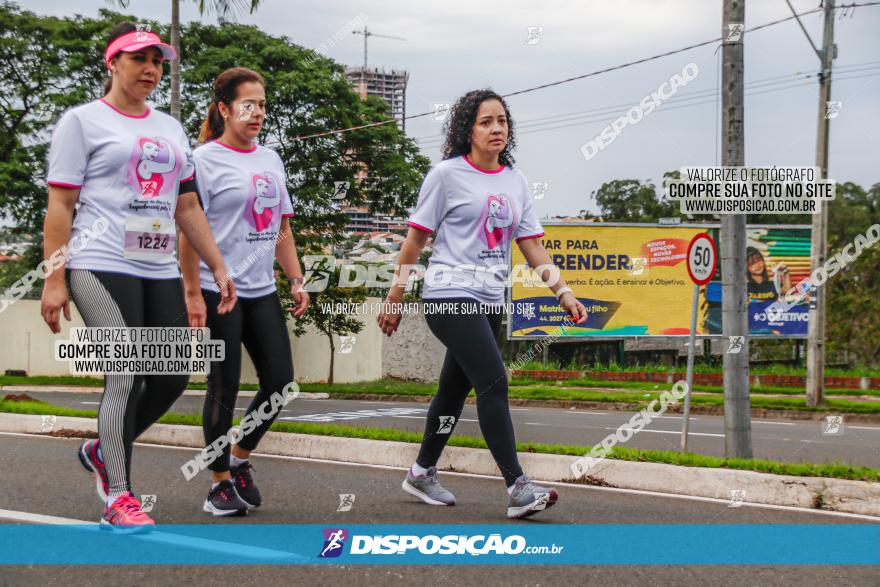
{"x":130,"y":403}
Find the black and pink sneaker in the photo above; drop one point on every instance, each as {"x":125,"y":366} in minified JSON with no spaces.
{"x":243,"y":477}
{"x":88,"y":456}
{"x":223,"y":500}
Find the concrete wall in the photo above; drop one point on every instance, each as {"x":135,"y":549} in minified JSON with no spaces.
{"x":412,"y":352}
{"x":27,"y":343}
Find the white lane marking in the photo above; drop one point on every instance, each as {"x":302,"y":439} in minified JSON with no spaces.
{"x":91,"y":403}
{"x":675,"y":432}
{"x":218,"y":546}
{"x":40,"y":518}
{"x":353,"y":415}
{"x":422,"y":418}
{"x":588,"y":413}
{"x":724,"y":501}
{"x":864,"y":428}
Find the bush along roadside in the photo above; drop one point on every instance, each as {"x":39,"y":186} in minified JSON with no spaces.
{"x":755,"y":379}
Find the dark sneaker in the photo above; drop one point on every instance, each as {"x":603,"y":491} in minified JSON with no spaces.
{"x":223,"y":500}
{"x":529,"y":498}
{"x":244,"y":484}
{"x":88,"y":456}
{"x":427,"y":488}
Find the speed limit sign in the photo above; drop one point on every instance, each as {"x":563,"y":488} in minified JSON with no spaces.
{"x":701,"y":258}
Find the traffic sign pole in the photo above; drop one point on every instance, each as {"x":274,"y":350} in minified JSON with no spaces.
{"x":689,"y":378}
{"x":701,"y":260}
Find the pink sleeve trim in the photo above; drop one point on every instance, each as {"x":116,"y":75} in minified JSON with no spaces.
{"x":192,"y":175}
{"x":288,"y":215}
{"x":59,"y":184}
{"x":419,"y":226}
{"x":523,"y":238}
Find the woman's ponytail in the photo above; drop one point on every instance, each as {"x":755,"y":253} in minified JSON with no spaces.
{"x":225,"y":90}
{"x":212,"y":127}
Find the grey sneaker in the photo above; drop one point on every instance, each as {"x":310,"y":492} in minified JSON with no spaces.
{"x":427,"y":488}
{"x":529,"y":498}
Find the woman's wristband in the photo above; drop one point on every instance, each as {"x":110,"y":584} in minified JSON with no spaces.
{"x":562,"y":290}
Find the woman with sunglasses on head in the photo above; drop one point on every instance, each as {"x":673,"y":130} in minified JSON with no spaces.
{"x":118,"y":161}
{"x":242,"y":186}
{"x":476,"y":204}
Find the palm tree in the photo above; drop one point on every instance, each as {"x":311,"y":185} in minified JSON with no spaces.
{"x":223,"y":9}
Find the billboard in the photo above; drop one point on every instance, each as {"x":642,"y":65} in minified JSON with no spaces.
{"x":633,"y":280}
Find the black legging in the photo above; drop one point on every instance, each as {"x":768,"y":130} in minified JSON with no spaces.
{"x":258,"y":323}
{"x":130,"y":403}
{"x":473,"y":360}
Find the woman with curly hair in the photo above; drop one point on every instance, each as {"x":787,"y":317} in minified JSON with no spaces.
{"x":476,"y":204}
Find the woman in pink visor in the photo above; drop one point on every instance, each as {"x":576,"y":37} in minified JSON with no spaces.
{"x":127,"y":170}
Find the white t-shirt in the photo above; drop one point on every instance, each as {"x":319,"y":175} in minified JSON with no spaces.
{"x":475,"y":214}
{"x":245,"y":198}
{"x":128,"y":169}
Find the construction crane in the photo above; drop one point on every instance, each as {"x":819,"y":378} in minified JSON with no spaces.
{"x":366,"y":33}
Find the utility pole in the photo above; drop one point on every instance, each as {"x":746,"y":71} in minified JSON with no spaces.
{"x":734,"y":299}
{"x":819,"y":237}
{"x":175,"y":63}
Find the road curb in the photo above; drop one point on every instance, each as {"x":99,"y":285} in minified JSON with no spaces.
{"x":839,"y":495}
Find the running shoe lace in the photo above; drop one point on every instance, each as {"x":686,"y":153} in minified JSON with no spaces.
{"x":243,"y":474}
{"x":226,"y":493}
{"x":130,"y":506}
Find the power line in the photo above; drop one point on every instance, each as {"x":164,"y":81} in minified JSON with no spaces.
{"x":434,"y":142}
{"x":765,"y":82}
{"x":594,"y":73}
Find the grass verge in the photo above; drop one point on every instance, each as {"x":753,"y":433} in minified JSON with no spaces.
{"x":831,"y":470}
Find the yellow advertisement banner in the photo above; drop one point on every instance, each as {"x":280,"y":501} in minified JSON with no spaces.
{"x":633,"y":280}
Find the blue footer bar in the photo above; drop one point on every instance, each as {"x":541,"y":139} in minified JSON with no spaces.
{"x":518,"y":544}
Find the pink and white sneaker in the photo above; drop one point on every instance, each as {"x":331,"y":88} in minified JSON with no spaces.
{"x":88,"y":456}
{"x":125,"y":515}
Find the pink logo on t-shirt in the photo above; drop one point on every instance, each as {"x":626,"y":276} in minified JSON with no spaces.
{"x":153,"y":167}
{"x":497,"y":221}
{"x":264,"y":197}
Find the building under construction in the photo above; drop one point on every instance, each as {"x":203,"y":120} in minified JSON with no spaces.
{"x":390,"y":86}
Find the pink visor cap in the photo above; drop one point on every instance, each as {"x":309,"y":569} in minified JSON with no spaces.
{"x":135,"y":41}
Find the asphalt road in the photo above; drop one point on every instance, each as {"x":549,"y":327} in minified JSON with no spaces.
{"x":783,"y":440}
{"x":42,"y":476}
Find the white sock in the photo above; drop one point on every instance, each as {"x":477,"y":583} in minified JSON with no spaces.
{"x":214,"y":485}
{"x":234,"y":461}
{"x":418,"y":470}
{"x":510,"y":489}
{"x":111,"y":497}
{"x":100,"y":454}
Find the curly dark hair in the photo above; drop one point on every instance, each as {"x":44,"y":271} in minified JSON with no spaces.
{"x":461,"y":122}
